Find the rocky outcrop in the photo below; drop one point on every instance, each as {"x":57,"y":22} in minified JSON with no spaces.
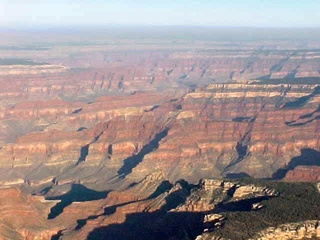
{"x":242,"y":192}
{"x":168,"y":205}
{"x":303,"y":174}
{"x":24,"y":217}
{"x":210,"y":193}
{"x":109,"y":131}
{"x":93,"y":114}
{"x":238,"y":129}
{"x":153,"y":206}
{"x":304,"y":230}
{"x":217,"y":131}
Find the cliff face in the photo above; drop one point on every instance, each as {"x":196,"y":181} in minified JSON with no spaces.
{"x":105,"y":138}
{"x":303,"y":173}
{"x":233,"y":129}
{"x":220,"y":130}
{"x":24,"y":217}
{"x":96,"y":72}
{"x":153,"y":207}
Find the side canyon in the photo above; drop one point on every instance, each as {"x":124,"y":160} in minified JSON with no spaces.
{"x":171,"y":139}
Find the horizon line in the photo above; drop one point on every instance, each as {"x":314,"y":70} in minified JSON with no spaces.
{"x":133,"y":26}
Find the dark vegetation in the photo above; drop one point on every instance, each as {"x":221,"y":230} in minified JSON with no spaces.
{"x":240,"y":206}
{"x":297,"y":202}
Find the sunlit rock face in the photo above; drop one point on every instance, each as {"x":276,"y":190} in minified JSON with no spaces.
{"x":219,"y":130}
{"x":93,"y":114}
{"x":303,"y":174}
{"x":146,"y":135}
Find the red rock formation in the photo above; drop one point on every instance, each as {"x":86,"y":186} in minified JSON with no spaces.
{"x":303,"y":174}
{"x":214,"y":131}
{"x":106,"y":117}
{"x":24,"y":216}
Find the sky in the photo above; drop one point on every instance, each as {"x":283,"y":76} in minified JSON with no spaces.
{"x":218,"y":13}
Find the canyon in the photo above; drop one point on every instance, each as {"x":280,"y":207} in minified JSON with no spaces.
{"x":181,"y":135}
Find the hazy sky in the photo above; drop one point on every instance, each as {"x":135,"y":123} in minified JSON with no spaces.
{"x":255,"y":13}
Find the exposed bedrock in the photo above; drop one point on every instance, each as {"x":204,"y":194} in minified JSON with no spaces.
{"x":222,"y":130}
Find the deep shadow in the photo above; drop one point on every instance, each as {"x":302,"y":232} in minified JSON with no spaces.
{"x":77,"y":111}
{"x":308,"y":115}
{"x":163,"y":187}
{"x":42,"y":192}
{"x":248,"y":65}
{"x":242,"y":205}
{"x":132,"y":185}
{"x":106,"y":212}
{"x":78,"y":193}
{"x":237,"y":175}
{"x":241,"y":150}
{"x":292,"y":74}
{"x":57,"y":236}
{"x":175,"y":198}
{"x":308,"y":157}
{"x":277,"y":67}
{"x":178,"y":106}
{"x":184,"y":76}
{"x":109,"y":150}
{"x":131,"y":162}
{"x":241,"y":119}
{"x":300,"y":102}
{"x":295,"y":123}
{"x":151,"y":109}
{"x":172,"y":200}
{"x":120,"y":84}
{"x":303,"y":123}
{"x":153,"y":226}
{"x":297,"y":202}
{"x":84,"y":151}
{"x":279,"y":174}
{"x":81,"y":129}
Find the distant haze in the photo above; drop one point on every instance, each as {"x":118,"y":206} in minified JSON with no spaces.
{"x":232,"y":13}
